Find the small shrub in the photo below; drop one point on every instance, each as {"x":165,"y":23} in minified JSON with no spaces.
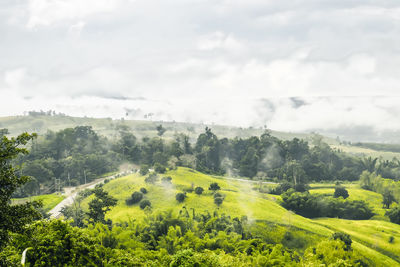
{"x":214,"y":187}
{"x":143,"y":190}
{"x":394,"y":215}
{"x":301,"y":188}
{"x":343,"y":237}
{"x":199,"y":190}
{"x":106,"y":181}
{"x":144,"y":203}
{"x":180,"y":197}
{"x":144,"y":169}
{"x":391,"y":239}
{"x":340,"y":191}
{"x":218,"y":201}
{"x":136,"y":197}
{"x":159,"y":168}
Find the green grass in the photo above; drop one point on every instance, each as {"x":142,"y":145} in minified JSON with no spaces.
{"x":371,"y":233}
{"x":49,"y":201}
{"x":259,"y":208}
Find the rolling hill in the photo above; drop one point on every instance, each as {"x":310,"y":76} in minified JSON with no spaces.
{"x":370,"y":237}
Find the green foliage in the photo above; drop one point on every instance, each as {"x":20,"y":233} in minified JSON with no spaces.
{"x":214,"y":187}
{"x":180,"y":197}
{"x":340,"y":191}
{"x":218,"y":201}
{"x":388,"y":198}
{"x":159,"y":168}
{"x":56,"y":243}
{"x":144,"y":203}
{"x":312,"y":206}
{"x":136,"y":197}
{"x":160,"y":130}
{"x":394,"y":215}
{"x":100,"y":205}
{"x":13,"y":217}
{"x":345,"y":238}
{"x":144,"y":169}
{"x":199,"y":190}
{"x":332,"y":253}
{"x":143,"y":190}
{"x":208,"y":157}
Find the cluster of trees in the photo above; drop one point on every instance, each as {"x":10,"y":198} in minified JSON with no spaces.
{"x":68,"y":157}
{"x":77,"y":155}
{"x":314,"y":205}
{"x":265,"y":156}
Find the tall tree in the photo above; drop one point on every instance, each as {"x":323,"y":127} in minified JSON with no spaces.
{"x":101,"y":204}
{"x":13,"y":217}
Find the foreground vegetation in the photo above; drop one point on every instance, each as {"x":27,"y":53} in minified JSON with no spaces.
{"x":168,"y":214}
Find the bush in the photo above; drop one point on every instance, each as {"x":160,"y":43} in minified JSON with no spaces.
{"x":144,"y":169}
{"x":199,"y":190}
{"x":218,"y":201}
{"x":214,"y":187}
{"x":144,"y":203}
{"x":340,"y":191}
{"x":143,"y":190}
{"x":394,"y":215}
{"x":159,"y":168}
{"x":136,"y":197}
{"x":281,"y":188}
{"x":391,"y":239}
{"x":152,"y":178}
{"x":343,"y":237}
{"x":301,"y":187}
{"x":180,"y":197}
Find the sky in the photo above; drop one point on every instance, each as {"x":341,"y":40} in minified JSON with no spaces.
{"x":293,"y":65}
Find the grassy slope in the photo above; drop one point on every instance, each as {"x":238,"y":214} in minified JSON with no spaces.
{"x":240,"y":200}
{"x":373,"y":233}
{"x":49,"y":201}
{"x":366,"y":152}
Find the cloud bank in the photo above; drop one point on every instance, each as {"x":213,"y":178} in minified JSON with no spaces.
{"x":292,"y":65}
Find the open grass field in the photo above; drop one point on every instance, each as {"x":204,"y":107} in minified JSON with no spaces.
{"x":372,"y":233}
{"x":370,"y":238}
{"x":366,"y":152}
{"x":49,"y":201}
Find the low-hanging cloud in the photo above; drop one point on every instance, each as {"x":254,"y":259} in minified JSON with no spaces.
{"x":293,"y":66}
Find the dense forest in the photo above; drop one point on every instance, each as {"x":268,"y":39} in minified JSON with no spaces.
{"x":77,"y":155}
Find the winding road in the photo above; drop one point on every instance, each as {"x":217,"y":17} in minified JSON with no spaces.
{"x":72,"y":192}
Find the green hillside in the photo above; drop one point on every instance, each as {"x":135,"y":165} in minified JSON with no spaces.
{"x":108,"y":127}
{"x":49,"y":201}
{"x":241,"y":200}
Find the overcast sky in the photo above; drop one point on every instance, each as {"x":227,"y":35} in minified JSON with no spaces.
{"x":293,"y":65}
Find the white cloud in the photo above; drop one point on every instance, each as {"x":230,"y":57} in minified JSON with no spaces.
{"x":48,"y":12}
{"x":206,"y":60}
